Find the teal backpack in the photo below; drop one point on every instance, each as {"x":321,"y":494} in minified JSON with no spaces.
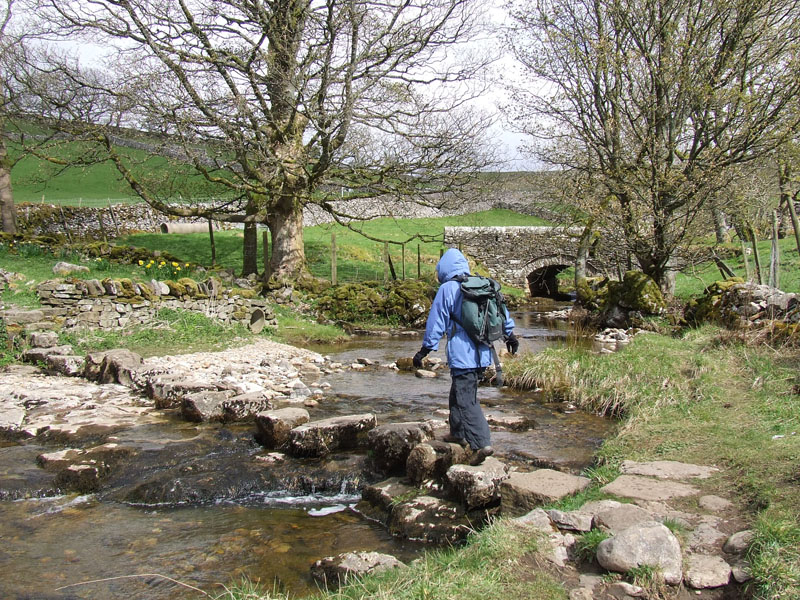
{"x":483,"y":314}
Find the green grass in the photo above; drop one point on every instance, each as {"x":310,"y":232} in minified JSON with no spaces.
{"x":497,"y":562}
{"x":707,"y":398}
{"x":358,"y":258}
{"x":187,"y":331}
{"x":694,"y":279}
{"x":586,"y":546}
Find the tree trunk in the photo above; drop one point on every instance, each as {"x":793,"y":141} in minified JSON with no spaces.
{"x":286,"y":226}
{"x":795,"y":224}
{"x":7,"y":208}
{"x":720,"y":226}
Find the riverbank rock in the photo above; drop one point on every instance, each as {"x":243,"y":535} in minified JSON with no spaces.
{"x":168,"y":391}
{"x":319,"y":438}
{"x":706,"y":571}
{"x":648,"y":543}
{"x":337,"y":570}
{"x":431,"y":520}
{"x":617,"y":518}
{"x":392,"y":443}
{"x":274,"y":426}
{"x":522,"y":492}
{"x":114,"y":366}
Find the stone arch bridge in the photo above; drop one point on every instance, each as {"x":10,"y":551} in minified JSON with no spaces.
{"x":530,"y":257}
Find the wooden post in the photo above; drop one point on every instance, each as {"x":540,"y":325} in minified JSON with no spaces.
{"x":386,"y":261}
{"x":102,"y":225}
{"x":403,"y":256}
{"x":265,"y":245}
{"x":754,"y":244}
{"x":747,"y":271}
{"x":774,"y":257}
{"x":113,"y":218}
{"x":333,"y":259}
{"x":64,"y":222}
{"x":213,"y":244}
{"x":391,"y":268}
{"x":419,"y":269}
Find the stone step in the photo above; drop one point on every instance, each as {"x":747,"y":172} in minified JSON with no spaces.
{"x":522,"y":492}
{"x":320,"y":438}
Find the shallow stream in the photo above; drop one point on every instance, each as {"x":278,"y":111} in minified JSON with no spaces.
{"x":198,"y":504}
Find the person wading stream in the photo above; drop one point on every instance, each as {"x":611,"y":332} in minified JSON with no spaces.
{"x":466,"y":359}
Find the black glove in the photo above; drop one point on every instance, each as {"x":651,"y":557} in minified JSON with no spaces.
{"x":512,"y":343}
{"x":417,"y":360}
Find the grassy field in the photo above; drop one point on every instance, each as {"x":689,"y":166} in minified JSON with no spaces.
{"x":358,"y":258}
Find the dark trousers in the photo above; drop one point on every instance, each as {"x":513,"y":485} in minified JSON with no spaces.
{"x":466,"y":417}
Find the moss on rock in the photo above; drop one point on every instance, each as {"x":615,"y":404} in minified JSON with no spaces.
{"x":192,"y":289}
{"x":708,"y":308}
{"x":637,"y":291}
{"x":175,"y":288}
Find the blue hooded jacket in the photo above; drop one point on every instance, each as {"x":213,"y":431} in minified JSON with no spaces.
{"x":461,"y":352}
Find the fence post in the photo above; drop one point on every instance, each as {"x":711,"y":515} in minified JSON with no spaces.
{"x":265,"y":245}
{"x":385,"y":261}
{"x":403,"y":256}
{"x":333,"y":259}
{"x":774,"y":259}
{"x":64,"y":221}
{"x":213,"y":244}
{"x":419,"y":272}
{"x":113,"y":218}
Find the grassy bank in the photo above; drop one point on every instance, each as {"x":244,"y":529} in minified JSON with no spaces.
{"x":490,"y":566}
{"x":706,"y":397}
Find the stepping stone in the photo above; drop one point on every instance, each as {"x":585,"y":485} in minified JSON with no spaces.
{"x":320,"y":438}
{"x":643,"y":488}
{"x":431,"y":520}
{"x":667,"y":469}
{"x":477,"y":486}
{"x":706,"y":571}
{"x":66,"y":364}
{"x":274,"y":425}
{"x":392,"y":443}
{"x":522,"y":492}
{"x":510,"y":422}
{"x":43,"y":339}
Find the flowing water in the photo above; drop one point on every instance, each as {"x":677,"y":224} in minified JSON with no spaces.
{"x":198,"y":505}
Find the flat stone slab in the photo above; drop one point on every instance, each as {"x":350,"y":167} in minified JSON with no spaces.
{"x":644,"y":488}
{"x":320,"y":438}
{"x":522,"y":492}
{"x":706,"y":571}
{"x":621,"y":517}
{"x":477,"y":486}
{"x":667,"y":469}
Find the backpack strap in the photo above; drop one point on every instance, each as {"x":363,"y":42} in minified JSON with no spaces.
{"x":495,"y":359}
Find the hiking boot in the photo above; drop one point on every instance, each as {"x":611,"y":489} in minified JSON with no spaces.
{"x":480,"y":455}
{"x":454,"y":439}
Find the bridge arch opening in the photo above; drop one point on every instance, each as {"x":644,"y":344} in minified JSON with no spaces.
{"x":543,"y":282}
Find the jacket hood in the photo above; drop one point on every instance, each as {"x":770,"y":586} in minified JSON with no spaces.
{"x":452,"y":264}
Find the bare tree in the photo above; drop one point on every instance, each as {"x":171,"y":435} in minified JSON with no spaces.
{"x":271,"y":106}
{"x":8,"y":41}
{"x":657,"y":99}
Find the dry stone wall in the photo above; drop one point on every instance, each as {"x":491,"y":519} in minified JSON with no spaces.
{"x":112,"y":304}
{"x":89,"y":222}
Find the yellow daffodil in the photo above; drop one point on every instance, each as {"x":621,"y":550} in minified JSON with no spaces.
{"x":174,"y":264}
{"x":141,"y":262}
